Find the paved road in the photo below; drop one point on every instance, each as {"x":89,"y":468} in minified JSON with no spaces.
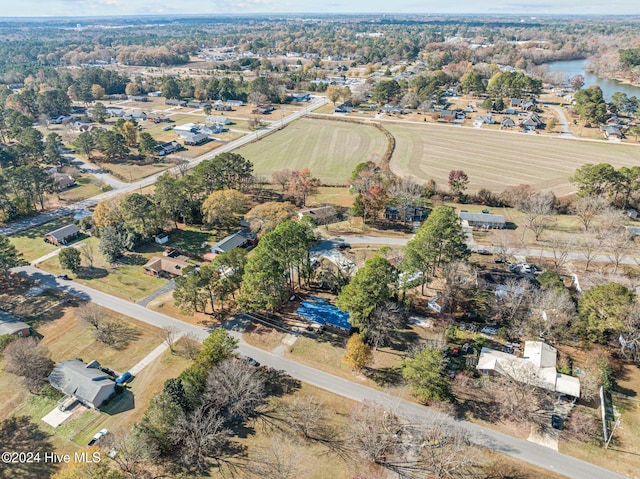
{"x":129,"y":187}
{"x":520,"y":449}
{"x":531,"y":253}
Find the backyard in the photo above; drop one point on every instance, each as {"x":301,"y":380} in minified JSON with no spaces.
{"x":31,"y":242}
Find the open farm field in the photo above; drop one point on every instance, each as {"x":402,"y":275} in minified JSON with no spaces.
{"x":496,"y":160}
{"x":330,"y":149}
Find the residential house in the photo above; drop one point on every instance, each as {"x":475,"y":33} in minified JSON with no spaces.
{"x":222,"y":108}
{"x":321,"y":214}
{"x":510,"y":111}
{"x":240,"y":239}
{"x":164,"y":149}
{"x":115,"y":111}
{"x":9,"y":324}
{"x":85,"y":382}
{"x":196,"y":139}
{"x":141,"y":98}
{"x":159,"y":118}
{"x":507,"y":123}
{"x":63,"y":181}
{"x":343,"y":109}
{"x":135,"y":115}
{"x":235,"y":103}
{"x":263,"y":110}
{"x":406,"y":212}
{"x":166,"y":266}
{"x":482,"y":220}
{"x":217,"y":119}
{"x":186,"y":130}
{"x":63,"y":235}
{"x":300,"y":97}
{"x":612,"y":132}
{"x":392,"y":109}
{"x":175,"y":102}
{"x":198,"y":104}
{"x":537,"y":367}
{"x":155,"y":94}
{"x":483,"y":120}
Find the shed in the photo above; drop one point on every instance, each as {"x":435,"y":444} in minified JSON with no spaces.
{"x":86,"y":382}
{"x":63,"y":235}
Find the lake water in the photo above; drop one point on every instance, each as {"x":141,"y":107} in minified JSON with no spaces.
{"x":577,"y":67}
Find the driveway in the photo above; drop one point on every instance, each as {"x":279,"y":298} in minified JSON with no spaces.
{"x":520,"y":449}
{"x":564,"y":123}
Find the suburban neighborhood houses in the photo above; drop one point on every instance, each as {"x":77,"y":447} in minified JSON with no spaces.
{"x":336,"y":246}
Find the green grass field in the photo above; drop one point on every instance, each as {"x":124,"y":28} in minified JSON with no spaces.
{"x":496,"y":160}
{"x":330,"y":149}
{"x":31,"y":243}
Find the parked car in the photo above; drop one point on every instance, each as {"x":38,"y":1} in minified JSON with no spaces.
{"x":455,"y":353}
{"x":483,"y":252}
{"x":99,"y":435}
{"x":557,"y":422}
{"x":124,"y":378}
{"x":251,"y":361}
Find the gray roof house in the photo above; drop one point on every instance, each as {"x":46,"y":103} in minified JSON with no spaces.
{"x":239,"y":239}
{"x":484,"y":220}
{"x":62,"y":235}
{"x":86,"y":382}
{"x":9,"y":324}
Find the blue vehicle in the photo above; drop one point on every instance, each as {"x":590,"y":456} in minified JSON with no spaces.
{"x":124,"y":378}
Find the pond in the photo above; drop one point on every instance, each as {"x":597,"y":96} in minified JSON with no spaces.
{"x":577,"y":67}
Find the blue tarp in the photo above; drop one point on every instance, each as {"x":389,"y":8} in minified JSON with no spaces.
{"x":319,"y":311}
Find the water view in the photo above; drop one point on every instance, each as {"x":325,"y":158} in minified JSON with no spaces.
{"x":577,"y":67}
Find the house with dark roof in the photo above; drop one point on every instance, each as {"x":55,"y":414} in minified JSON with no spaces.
{"x":167,"y":148}
{"x":406,"y":212}
{"x":84,"y":382}
{"x":9,"y":324}
{"x":320,"y":214}
{"x":196,"y":139}
{"x":166,"y":266}
{"x":63,"y":235}
{"x":240,"y":239}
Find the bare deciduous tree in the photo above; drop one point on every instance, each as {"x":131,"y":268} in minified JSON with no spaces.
{"x":88,"y":252}
{"x":190,"y":347}
{"x":551,"y":312}
{"x":279,"y":459}
{"x":170,"y":335}
{"x":588,"y":248}
{"x":617,"y":247}
{"x":383,"y":323}
{"x":202,"y":435}
{"x":460,"y":279}
{"x":373,"y":433}
{"x":235,"y":388}
{"x":27,"y":358}
{"x":537,"y":209}
{"x":588,"y":208}
{"x":560,"y":248}
{"x":91,"y":314}
{"x":281,"y":177}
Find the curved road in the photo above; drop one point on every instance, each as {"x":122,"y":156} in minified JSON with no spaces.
{"x":129,"y":187}
{"x":564,"y":123}
{"x":518,"y":448}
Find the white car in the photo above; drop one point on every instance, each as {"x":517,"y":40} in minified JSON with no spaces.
{"x":99,"y":435}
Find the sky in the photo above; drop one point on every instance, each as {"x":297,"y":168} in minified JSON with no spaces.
{"x":64,"y":8}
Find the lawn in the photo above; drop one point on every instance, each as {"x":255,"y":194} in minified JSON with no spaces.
{"x":338,"y":196}
{"x":496,"y":160}
{"x":30,"y":242}
{"x":127,"y":280}
{"x":69,"y":337}
{"x":131,"y":171}
{"x":330,"y":149}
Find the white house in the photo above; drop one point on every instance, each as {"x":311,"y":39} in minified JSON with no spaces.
{"x":217,"y":119}
{"x":537,"y":367}
{"x":186,"y":130}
